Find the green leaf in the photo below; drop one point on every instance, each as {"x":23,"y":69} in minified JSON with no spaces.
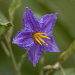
{"x":4,"y":24}
{"x":14,"y":5}
{"x":4,"y":27}
{"x":69,"y":71}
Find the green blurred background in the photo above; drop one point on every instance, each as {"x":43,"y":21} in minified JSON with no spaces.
{"x":64,"y":32}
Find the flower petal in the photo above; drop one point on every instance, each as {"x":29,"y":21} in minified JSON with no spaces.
{"x":49,"y":21}
{"x":26,"y":43}
{"x":23,"y":38}
{"x":29,"y":20}
{"x":34,"y":53}
{"x":52,"y":47}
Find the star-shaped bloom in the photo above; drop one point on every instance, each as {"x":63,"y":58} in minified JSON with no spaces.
{"x":37,"y":35}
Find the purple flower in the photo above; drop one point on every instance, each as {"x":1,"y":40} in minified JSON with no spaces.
{"x":37,"y":35}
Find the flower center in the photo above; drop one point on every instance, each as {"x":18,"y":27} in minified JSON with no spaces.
{"x":38,"y":37}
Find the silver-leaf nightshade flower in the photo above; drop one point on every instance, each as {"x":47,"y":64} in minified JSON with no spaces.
{"x":37,"y":35}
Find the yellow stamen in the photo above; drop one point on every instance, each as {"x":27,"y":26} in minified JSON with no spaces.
{"x":38,"y":41}
{"x":39,"y":34}
{"x":38,"y":37}
{"x":44,"y":37}
{"x":46,"y":44}
{"x":42,"y":41}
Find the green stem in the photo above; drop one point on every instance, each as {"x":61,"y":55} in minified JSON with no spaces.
{"x":5,"y":48}
{"x":41,"y":65}
{"x":12,"y":56}
{"x":62,"y":70}
{"x":41,"y":72}
{"x":49,"y":72}
{"x":22,"y":60}
{"x":67,"y":53}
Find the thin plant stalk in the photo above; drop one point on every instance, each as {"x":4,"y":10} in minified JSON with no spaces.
{"x":12,"y":56}
{"x":62,"y":70}
{"x":22,"y":60}
{"x":41,"y":72}
{"x":5,"y":48}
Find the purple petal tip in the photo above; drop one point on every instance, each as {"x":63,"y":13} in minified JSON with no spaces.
{"x":56,"y":13}
{"x":26,"y":7}
{"x":13,"y":42}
